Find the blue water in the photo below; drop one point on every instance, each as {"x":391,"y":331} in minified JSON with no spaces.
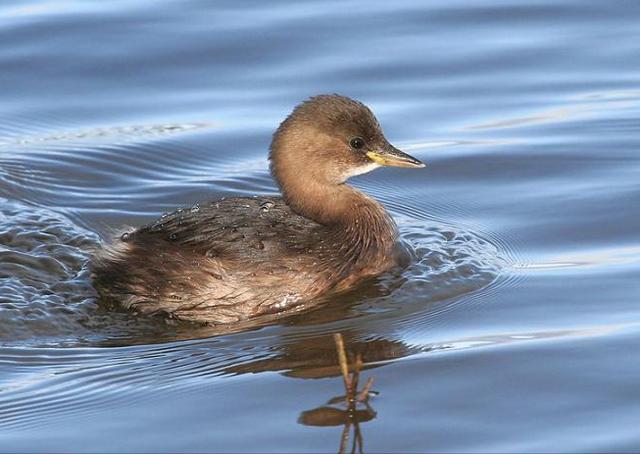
{"x":516,"y":325}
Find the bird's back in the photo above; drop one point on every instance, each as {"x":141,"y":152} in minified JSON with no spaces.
{"x":219,"y":262}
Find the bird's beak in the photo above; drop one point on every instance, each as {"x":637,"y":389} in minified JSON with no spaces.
{"x":389,"y":155}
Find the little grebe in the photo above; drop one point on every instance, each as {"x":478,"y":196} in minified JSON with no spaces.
{"x":233,"y":259}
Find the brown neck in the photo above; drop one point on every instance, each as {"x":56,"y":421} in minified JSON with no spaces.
{"x":330,"y":204}
{"x":362,"y":225}
{"x":325,"y":203}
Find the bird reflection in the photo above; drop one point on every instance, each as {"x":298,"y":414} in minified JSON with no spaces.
{"x":348,"y":410}
{"x":326,"y":355}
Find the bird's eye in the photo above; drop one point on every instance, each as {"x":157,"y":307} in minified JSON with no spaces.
{"x":357,"y":143}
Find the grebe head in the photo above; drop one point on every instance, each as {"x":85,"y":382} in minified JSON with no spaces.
{"x":329,"y":138}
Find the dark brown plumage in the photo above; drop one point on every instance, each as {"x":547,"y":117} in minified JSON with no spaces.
{"x":233,"y":259}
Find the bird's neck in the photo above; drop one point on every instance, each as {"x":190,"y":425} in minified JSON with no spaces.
{"x":360,"y":221}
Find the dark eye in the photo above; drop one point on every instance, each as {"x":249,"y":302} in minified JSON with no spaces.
{"x":357,"y":143}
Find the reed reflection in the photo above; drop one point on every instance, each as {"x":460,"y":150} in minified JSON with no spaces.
{"x":332,"y":355}
{"x":348,"y":410}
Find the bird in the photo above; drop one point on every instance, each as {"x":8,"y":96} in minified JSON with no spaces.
{"x":234,"y":259}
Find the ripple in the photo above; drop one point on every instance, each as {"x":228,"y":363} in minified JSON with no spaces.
{"x":46,"y":297}
{"x":42,"y":282}
{"x":598,"y":259}
{"x":110,"y":134}
{"x":42,"y":383}
{"x":45,"y":383}
{"x":123,"y":167}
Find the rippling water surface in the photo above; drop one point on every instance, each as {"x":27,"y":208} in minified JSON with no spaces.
{"x":515,"y":327}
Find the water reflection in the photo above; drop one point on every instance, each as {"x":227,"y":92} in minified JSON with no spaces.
{"x":334,"y":355}
{"x":348,"y":410}
{"x":316,"y":356}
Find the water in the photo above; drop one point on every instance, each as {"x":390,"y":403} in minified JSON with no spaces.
{"x":515,"y":326}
